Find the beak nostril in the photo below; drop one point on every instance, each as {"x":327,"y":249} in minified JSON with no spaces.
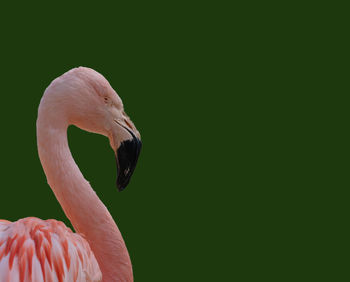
{"x":127,"y":123}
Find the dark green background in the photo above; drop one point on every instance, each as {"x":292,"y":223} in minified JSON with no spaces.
{"x":232,"y":183}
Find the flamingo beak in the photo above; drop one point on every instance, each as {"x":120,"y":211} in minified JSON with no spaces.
{"x":126,"y":156}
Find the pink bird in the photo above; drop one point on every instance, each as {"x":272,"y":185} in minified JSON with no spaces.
{"x":35,"y":250}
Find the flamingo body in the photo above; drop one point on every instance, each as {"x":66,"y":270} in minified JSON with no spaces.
{"x":35,"y":250}
{"x":38,"y":250}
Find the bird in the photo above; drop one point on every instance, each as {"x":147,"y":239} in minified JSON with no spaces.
{"x":36,"y":250}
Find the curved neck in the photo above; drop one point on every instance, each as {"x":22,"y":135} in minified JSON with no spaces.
{"x":87,"y":213}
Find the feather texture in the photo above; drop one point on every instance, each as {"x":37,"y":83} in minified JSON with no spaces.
{"x":35,"y":250}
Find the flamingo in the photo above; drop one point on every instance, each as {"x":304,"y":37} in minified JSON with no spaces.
{"x":35,"y":250}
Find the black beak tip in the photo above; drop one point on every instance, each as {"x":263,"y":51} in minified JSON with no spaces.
{"x":127,"y":156}
{"x":120,"y":187}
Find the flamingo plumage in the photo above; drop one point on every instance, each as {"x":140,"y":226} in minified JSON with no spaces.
{"x":35,"y":250}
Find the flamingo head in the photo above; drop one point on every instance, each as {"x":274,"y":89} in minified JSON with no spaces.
{"x":94,"y":106}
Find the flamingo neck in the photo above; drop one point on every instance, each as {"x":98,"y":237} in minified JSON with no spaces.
{"x":84,"y":209}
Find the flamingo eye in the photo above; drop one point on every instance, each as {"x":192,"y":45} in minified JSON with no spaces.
{"x":106,"y":99}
